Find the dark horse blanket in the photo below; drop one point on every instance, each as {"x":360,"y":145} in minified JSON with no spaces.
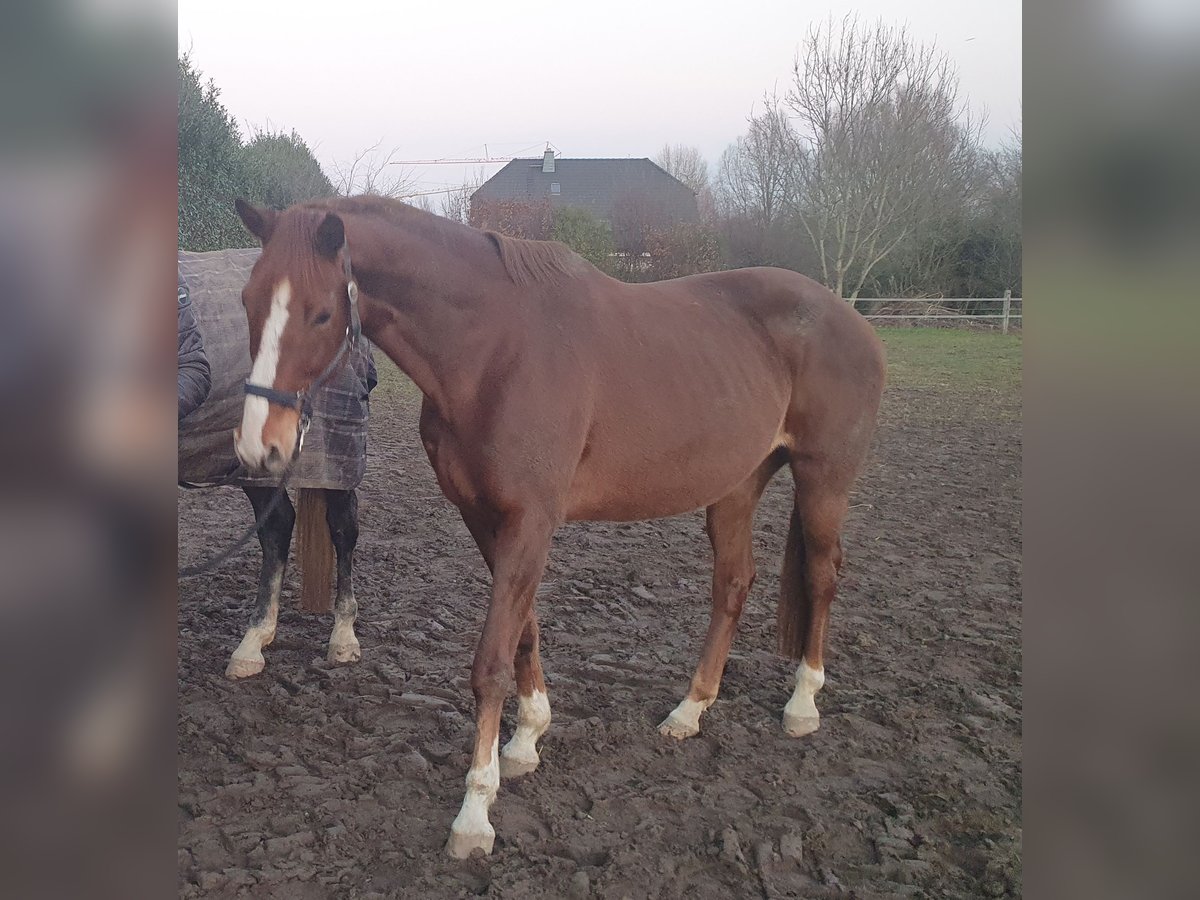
{"x":335,"y":448}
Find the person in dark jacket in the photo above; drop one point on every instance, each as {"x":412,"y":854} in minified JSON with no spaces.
{"x":195,"y":377}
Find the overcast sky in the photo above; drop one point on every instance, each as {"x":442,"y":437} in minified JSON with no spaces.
{"x":605,"y":78}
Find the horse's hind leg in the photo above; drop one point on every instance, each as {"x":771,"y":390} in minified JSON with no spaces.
{"x":729,"y":531}
{"x":341,"y":513}
{"x":275,"y":538}
{"x":520,"y":756}
{"x":809,"y":584}
{"x":831,"y":424}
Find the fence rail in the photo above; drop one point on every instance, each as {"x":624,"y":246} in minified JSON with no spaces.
{"x":935,"y":306}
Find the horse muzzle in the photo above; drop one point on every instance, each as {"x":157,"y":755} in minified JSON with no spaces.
{"x":270,"y":453}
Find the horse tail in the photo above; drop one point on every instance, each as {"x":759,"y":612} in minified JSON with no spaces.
{"x":795,"y":606}
{"x":315,"y":552}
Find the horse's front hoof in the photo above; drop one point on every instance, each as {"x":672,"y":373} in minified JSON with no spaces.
{"x":462,"y":845}
{"x":673,"y":728}
{"x":516,"y":766}
{"x":344,"y":654}
{"x":244,"y":666}
{"x":799,"y":726}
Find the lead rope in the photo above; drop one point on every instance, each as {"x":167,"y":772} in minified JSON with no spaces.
{"x":280,"y":492}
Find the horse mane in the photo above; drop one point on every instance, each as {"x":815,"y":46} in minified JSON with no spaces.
{"x":526,"y":262}
{"x":535,"y":262}
{"x":396,"y":212}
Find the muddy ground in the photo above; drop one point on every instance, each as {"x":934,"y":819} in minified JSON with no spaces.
{"x":312,"y":782}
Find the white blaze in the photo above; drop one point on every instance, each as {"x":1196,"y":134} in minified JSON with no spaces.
{"x":254,"y":414}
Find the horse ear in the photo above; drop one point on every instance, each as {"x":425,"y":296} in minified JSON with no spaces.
{"x":331,"y":235}
{"x":260,"y":222}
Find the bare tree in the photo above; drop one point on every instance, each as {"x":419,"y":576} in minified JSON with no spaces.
{"x":456,"y":204}
{"x":685,"y":163}
{"x":689,"y":166}
{"x":423,"y":202}
{"x":1003,"y":266}
{"x":635,"y":218}
{"x":887,"y":141}
{"x":529,"y":219}
{"x":372,"y":171}
{"x":756,"y":177}
{"x":1006,"y":166}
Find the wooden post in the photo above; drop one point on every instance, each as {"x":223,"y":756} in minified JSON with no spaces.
{"x":1007,"y":306}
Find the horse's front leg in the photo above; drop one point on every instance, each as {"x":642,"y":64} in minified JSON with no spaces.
{"x":341,"y":513}
{"x":519,"y":756}
{"x":521,"y":546}
{"x":275,"y":539}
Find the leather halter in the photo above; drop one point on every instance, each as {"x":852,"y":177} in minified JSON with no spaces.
{"x":302,"y":400}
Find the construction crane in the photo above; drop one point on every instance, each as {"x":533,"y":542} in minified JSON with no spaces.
{"x":448,"y":161}
{"x":459,"y":161}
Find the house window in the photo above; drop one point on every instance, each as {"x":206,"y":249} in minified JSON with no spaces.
{"x":555,"y":187}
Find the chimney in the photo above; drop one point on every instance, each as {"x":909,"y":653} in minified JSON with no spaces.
{"x":548,"y":161}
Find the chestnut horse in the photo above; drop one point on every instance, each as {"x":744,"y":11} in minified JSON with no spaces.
{"x":555,"y":393}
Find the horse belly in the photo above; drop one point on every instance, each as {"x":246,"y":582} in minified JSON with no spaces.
{"x":652,"y":476}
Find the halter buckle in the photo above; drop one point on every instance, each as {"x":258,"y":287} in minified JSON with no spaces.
{"x":302,"y":429}
{"x":354,"y":328}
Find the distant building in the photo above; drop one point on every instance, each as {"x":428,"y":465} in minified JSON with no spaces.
{"x":626,"y":193}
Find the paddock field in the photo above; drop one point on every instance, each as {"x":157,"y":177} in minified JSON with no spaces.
{"x":311,"y":782}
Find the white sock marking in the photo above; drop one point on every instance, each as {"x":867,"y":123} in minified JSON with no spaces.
{"x":687,"y":713}
{"x":343,"y":631}
{"x":533,"y":718}
{"x":482,"y":785}
{"x":258,"y":636}
{"x":254,"y":413}
{"x":803,"y":704}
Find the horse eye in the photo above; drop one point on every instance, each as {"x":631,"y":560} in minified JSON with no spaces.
{"x":321,"y":319}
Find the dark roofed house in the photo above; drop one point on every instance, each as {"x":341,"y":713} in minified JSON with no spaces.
{"x":626,"y":193}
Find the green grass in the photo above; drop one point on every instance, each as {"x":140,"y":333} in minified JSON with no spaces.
{"x":953,"y":359}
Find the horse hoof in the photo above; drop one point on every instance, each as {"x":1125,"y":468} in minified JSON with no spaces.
{"x":461,"y":846}
{"x":673,"y":728}
{"x":344,"y":654}
{"x":799,"y":726}
{"x":242,"y":667}
{"x":515,"y":767}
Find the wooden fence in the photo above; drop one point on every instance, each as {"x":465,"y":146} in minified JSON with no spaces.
{"x":1002,"y":312}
